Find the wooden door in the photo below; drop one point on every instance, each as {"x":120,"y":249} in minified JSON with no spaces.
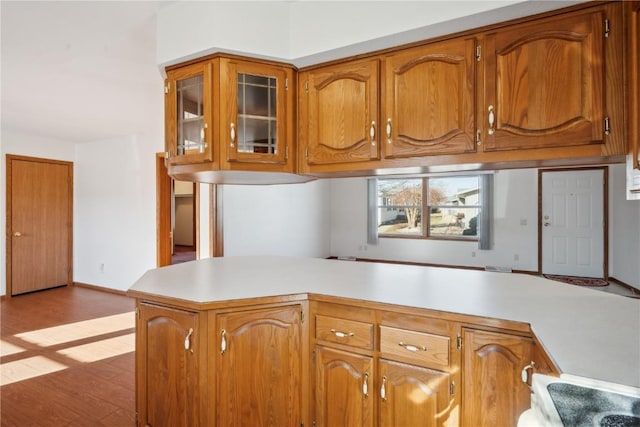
{"x":493,"y":391}
{"x":429,"y":100}
{"x":168,"y":353}
{"x":545,"y":84}
{"x":414,"y":396}
{"x":258,"y":374}
{"x":339,"y":114}
{"x":39,"y":224}
{"x":573,"y":223}
{"x":345,"y":390}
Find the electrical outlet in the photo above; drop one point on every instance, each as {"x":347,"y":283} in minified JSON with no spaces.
{"x":102,"y":267}
{"x":473,"y":254}
{"x":516,"y":257}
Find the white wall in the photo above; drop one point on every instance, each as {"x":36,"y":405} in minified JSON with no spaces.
{"x":115,"y":209}
{"x":624,"y":230}
{"x":515,"y":204}
{"x":308,"y":32}
{"x":24,"y":145}
{"x":349,"y":222}
{"x":277,"y":220}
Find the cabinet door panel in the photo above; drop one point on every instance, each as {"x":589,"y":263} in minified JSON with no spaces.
{"x":342,"y":113}
{"x":429,"y":100}
{"x":545,"y":84}
{"x":188,"y":114}
{"x":342,"y":379}
{"x":259,"y":371}
{"x":414,"y":396}
{"x":633,"y":55}
{"x":494,"y":393}
{"x":254,"y":98}
{"x":167,"y":371}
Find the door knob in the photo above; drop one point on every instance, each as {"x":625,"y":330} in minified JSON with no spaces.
{"x":546,"y":224}
{"x":17,"y":234}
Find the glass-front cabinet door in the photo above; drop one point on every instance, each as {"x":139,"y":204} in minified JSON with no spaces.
{"x":188,"y":112}
{"x":256,"y":102}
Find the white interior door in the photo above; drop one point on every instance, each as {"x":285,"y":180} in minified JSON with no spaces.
{"x":573,"y":223}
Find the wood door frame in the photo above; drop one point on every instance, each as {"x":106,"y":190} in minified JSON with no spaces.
{"x":8,"y":220}
{"x":163,"y":215}
{"x":605,"y":213}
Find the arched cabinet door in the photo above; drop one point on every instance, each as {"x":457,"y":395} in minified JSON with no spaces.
{"x":493,"y":391}
{"x":259,"y":367}
{"x":429,"y":95}
{"x":339,"y":114}
{"x":545,"y":84}
{"x":344,"y":392}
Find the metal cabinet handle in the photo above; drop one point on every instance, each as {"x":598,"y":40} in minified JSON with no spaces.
{"x":365,"y":385}
{"x":383,"y":389}
{"x":341,"y":334}
{"x":492,"y":120}
{"x":389,"y":129}
{"x":525,"y":372}
{"x":223,"y":341}
{"x":372,"y":132}
{"x":203,"y":137}
{"x":187,"y":340}
{"x":17,"y":234}
{"x":233,"y":135}
{"x":412,"y":347}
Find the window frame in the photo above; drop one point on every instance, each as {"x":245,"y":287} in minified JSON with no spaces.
{"x":425,"y":226}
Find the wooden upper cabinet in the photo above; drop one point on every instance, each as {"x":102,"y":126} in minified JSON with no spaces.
{"x":188,"y":126}
{"x":494,"y":393}
{"x":259,"y":371}
{"x":345,"y":390}
{"x":413,"y":396}
{"x":168,"y":352}
{"x":545,"y":83}
{"x":339,"y":114}
{"x":429,"y":100}
{"x":255,"y":111}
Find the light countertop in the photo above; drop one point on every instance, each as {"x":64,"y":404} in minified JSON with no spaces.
{"x":586,"y":332}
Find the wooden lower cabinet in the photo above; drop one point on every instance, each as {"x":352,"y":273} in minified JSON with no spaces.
{"x":169,"y":355}
{"x":252,"y":366}
{"x":258,"y":373}
{"x":412,"y":396}
{"x":493,"y":391}
{"x":344,"y":389}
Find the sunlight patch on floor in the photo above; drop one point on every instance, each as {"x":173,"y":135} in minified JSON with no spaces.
{"x":7,"y":349}
{"x":24,"y":369}
{"x":102,"y":349}
{"x":79,"y":330}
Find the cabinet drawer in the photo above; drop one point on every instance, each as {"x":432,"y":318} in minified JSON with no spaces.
{"x":342,"y":331}
{"x":418,"y":347}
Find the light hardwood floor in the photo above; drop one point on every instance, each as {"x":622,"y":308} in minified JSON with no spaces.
{"x":67,"y":359}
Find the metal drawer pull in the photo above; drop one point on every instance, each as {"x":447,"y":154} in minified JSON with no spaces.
{"x":341,"y":334}
{"x":389,"y":130}
{"x":365,"y":385}
{"x":187,"y":340}
{"x":412,"y":347}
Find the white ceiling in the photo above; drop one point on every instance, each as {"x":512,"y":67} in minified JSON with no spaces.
{"x":78,"y":71}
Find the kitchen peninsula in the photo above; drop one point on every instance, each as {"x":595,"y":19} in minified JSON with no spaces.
{"x":226,"y":341}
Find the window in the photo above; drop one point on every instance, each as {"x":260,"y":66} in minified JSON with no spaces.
{"x":453,"y":207}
